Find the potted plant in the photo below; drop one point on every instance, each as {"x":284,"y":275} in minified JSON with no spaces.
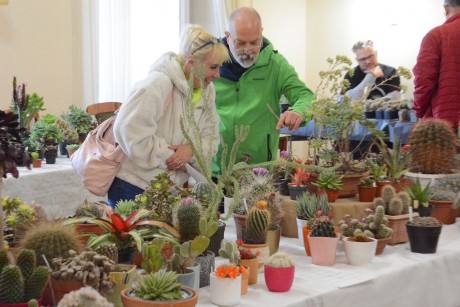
{"x":70,"y":136}
{"x":281,"y":173}
{"x":21,"y":281}
{"x":323,"y":241}
{"x":152,"y":258}
{"x":298,"y":184}
{"x":25,"y":106}
{"x":279,"y":272}
{"x":249,"y":258}
{"x":366,"y":189}
{"x":445,"y":192}
{"x":308,"y":205}
{"x":85,"y":295}
{"x":79,"y":120}
{"x":420,"y":196}
{"x":377,"y":173}
{"x":359,"y":248}
{"x":396,"y":205}
{"x":36,"y":162}
{"x":156,"y":289}
{"x":85,"y":229}
{"x":225,"y":288}
{"x":229,"y":250}
{"x":329,"y":183}
{"x":424,"y":234}
{"x":71,"y":148}
{"x":376,"y":223}
{"x":18,"y":217}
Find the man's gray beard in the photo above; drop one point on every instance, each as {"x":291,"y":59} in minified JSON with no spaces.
{"x":239,"y":61}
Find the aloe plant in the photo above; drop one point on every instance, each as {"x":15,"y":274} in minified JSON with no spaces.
{"x":419,"y":193}
{"x":329,"y":181}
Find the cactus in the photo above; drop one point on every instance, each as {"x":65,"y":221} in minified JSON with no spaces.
{"x":3,"y":260}
{"x":388,"y":193}
{"x":279,"y":260}
{"x":89,"y":208}
{"x":427,"y":221}
{"x":201,"y":189}
{"x":159,"y":286}
{"x":109,"y":250}
{"x":188,"y":219}
{"x":23,"y":281}
{"x":84,"y":297}
{"x":360,"y":236}
{"x":33,"y":303}
{"x":323,"y":228}
{"x":443,"y":195}
{"x":395,"y":207}
{"x":230,"y":251}
{"x":257,"y":224}
{"x":433,"y":144}
{"x":151,"y":253}
{"x":376,"y":223}
{"x":392,"y":202}
{"x":349,"y":225}
{"x":406,"y":201}
{"x":51,"y":239}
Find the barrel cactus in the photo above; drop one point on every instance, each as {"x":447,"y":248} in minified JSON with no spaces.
{"x":433,"y":144}
{"x":427,"y":221}
{"x":257,"y":223}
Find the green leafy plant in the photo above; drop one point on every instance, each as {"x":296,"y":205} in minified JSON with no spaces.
{"x":396,"y":160}
{"x":152,"y":260}
{"x":329,"y":181}
{"x":159,"y":286}
{"x":45,"y":130}
{"x":34,"y":155}
{"x":72,"y":147}
{"x":78,"y":119}
{"x":419,"y":193}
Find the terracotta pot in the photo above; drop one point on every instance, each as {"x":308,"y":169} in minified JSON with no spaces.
{"x":129,"y":301}
{"x":61,"y":288}
{"x":381,"y":243}
{"x":349,"y":184}
{"x":366,"y":194}
{"x":442,"y":210}
{"x":306,"y":243}
{"x":403,"y":183}
{"x":323,"y":250}
{"x":279,"y":279}
{"x":253,"y":265}
{"x":245,"y":280}
{"x":380,"y":185}
{"x":263,"y":250}
{"x":37,"y":163}
{"x":240,"y":225}
{"x":87,"y":228}
{"x":398,"y":224}
{"x":332,"y":195}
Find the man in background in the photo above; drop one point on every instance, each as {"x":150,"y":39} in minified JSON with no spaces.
{"x":369,"y":73}
{"x":252,"y":84}
{"x":437,"y":72}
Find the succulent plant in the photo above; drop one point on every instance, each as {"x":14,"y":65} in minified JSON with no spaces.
{"x":376,"y":222}
{"x":22,"y":281}
{"x":366,"y":182}
{"x":84,"y":297}
{"x":78,"y":119}
{"x":348,"y":225}
{"x":433,"y":144}
{"x":126,"y":207}
{"x":109,"y":250}
{"x":12,"y":150}
{"x":279,"y":260}
{"x":257,"y":223}
{"x":152,"y":260}
{"x":229,"y":250}
{"x":393,"y":203}
{"x":159,"y":286}
{"x":360,"y":236}
{"x":427,"y":221}
{"x":188,"y":216}
{"x":308,"y":205}
{"x":51,"y":239}
{"x":89,"y":268}
{"x":328,"y":181}
{"x":323,"y":227}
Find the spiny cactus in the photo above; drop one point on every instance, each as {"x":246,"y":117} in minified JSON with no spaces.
{"x":51,"y":239}
{"x":84,"y":297}
{"x":109,"y":250}
{"x":23,"y":281}
{"x":323,"y":228}
{"x":188,"y":219}
{"x":159,"y":286}
{"x":393,"y":203}
{"x":257,"y":224}
{"x":201,"y":189}
{"x":427,"y":221}
{"x":279,"y":260}
{"x":349,"y":225}
{"x":377,"y":222}
{"x":230,"y":251}
{"x":433,"y":144}
{"x":443,"y":195}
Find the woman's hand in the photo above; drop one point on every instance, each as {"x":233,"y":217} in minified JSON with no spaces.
{"x":181,"y":155}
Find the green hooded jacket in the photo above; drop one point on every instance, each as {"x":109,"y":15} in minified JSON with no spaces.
{"x":244,"y":102}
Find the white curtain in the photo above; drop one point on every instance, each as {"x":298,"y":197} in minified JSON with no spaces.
{"x":114,"y":50}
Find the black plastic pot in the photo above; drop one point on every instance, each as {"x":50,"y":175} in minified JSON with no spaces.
{"x":216,"y":239}
{"x":424,"y":211}
{"x":295,"y":191}
{"x":62,"y":149}
{"x":50,"y":158}
{"x":379,"y":114}
{"x":423,"y":240}
{"x":282,"y":185}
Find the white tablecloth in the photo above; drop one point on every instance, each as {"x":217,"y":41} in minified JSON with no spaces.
{"x":55,"y":186}
{"x":395,"y":278}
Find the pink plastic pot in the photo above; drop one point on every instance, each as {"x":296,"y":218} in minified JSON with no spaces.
{"x":279,"y":279}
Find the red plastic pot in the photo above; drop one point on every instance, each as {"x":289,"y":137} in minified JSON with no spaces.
{"x":279,"y":279}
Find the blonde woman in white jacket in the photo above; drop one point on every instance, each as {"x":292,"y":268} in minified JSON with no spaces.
{"x":147,"y":126}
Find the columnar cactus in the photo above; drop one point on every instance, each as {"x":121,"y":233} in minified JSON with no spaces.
{"x":388,"y":193}
{"x":257,"y":224}
{"x":377,"y":222}
{"x":151,"y":254}
{"x":188,"y":219}
{"x":393,"y":203}
{"x":433,"y":144}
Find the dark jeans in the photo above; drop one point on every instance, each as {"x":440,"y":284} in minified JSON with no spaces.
{"x":122,"y":190}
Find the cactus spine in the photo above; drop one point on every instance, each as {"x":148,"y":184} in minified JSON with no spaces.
{"x":188,"y":219}
{"x":36,"y":283}
{"x":433,"y":144}
{"x":257,"y":224}
{"x":26,"y":262}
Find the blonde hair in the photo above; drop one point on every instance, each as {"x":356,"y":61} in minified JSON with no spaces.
{"x":197,"y":42}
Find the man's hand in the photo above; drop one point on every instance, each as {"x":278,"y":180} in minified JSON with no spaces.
{"x":289,"y":119}
{"x":181,"y":155}
{"x":376,"y":71}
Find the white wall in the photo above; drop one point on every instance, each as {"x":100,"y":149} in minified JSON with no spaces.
{"x":36,"y":46}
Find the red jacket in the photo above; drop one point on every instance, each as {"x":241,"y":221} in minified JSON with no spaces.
{"x":437,"y":73}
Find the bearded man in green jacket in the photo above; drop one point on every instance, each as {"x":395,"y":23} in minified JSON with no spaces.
{"x":257,"y":75}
